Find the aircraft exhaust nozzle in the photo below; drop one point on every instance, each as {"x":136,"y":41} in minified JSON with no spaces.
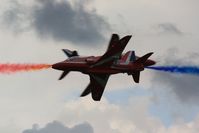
{"x":58,"y":66}
{"x":149,"y":63}
{"x":55,"y":66}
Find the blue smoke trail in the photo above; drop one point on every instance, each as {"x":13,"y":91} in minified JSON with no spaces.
{"x":177,"y":69}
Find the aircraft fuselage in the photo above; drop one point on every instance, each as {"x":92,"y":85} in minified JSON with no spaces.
{"x":85,"y":65}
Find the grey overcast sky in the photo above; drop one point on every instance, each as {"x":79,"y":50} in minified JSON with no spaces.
{"x":35,"y":31}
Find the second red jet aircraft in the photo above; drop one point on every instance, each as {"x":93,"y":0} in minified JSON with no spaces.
{"x":99,"y":68}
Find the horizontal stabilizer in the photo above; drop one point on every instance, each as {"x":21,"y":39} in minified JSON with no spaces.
{"x":144,"y":58}
{"x":70,"y":53}
{"x":63,"y":75}
{"x":87,"y":90}
{"x":136,"y":76}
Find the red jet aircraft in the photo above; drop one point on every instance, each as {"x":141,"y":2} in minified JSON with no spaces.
{"x":99,"y":68}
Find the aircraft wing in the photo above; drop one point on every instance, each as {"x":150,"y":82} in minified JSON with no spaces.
{"x":114,"y":50}
{"x":96,"y":86}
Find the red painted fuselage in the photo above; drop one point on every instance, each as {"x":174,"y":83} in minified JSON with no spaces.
{"x":85,"y":65}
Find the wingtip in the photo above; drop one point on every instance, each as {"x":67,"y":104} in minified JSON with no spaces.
{"x":115,"y":35}
{"x":96,"y":98}
{"x":128,"y":36}
{"x":151,"y":53}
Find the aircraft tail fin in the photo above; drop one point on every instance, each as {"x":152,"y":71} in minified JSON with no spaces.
{"x":63,"y":75}
{"x":70,"y":53}
{"x":128,"y":57}
{"x":133,"y":57}
{"x":136,"y":76}
{"x":141,"y":61}
{"x":144,"y":58}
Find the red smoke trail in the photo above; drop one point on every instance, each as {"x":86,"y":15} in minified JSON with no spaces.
{"x":13,"y":68}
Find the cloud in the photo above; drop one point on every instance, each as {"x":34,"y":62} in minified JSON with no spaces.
{"x":185,"y":87}
{"x":134,"y":116}
{"x":168,"y":28}
{"x":112,"y":118}
{"x":58,"y":127}
{"x":59,"y":20}
{"x":64,"y":22}
{"x":15,"y":18}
